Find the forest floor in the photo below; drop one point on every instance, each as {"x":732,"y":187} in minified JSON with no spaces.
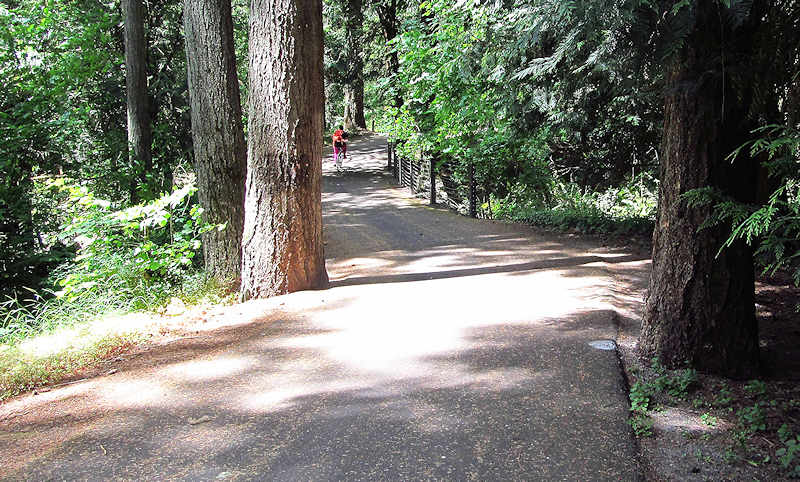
{"x":445,"y":348}
{"x":722,"y":429}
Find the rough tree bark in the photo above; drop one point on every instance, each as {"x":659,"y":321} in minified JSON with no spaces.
{"x":354,"y":88}
{"x":140,"y":135}
{"x":354,"y":105}
{"x":220,"y":153}
{"x":700,"y":308}
{"x":282,"y":242}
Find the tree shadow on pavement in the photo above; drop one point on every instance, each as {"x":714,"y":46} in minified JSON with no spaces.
{"x":447,"y":348}
{"x":533,"y":265}
{"x":498,"y":401}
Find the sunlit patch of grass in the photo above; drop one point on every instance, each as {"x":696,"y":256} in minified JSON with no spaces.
{"x":21,"y":319}
{"x":24,"y":366}
{"x":45,"y":341}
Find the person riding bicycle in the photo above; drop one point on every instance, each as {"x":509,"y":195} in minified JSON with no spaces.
{"x":339,"y":145}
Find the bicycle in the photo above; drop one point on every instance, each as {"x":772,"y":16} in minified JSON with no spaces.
{"x":338,"y":157}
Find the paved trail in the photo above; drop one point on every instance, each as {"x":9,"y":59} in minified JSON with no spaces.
{"x":446,"y":348}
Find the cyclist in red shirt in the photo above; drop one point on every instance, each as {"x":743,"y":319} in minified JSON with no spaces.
{"x":339,"y":146}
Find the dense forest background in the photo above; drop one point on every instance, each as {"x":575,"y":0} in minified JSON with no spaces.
{"x":564,"y":111}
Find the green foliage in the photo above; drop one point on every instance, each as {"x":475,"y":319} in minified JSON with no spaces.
{"x":483,"y":80}
{"x":627,"y":209}
{"x":676,"y":384}
{"x":774,"y":226}
{"x":341,"y":63}
{"x":157,"y":240}
{"x":641,"y":395}
{"x":752,"y":419}
{"x":709,"y":420}
{"x":789,"y":456}
{"x":784,"y":433}
{"x":336,"y":66}
{"x":127,"y":259}
{"x":756,"y":387}
{"x":29,"y":125}
{"x":641,"y":424}
{"x":62,"y":112}
{"x":526,"y":95}
{"x":723,"y":398}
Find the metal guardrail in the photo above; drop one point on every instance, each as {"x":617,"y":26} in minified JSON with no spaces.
{"x":425,"y":174}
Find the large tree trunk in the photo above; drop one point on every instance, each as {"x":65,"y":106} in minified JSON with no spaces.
{"x":354,"y":105}
{"x":140,"y":135}
{"x":220,"y":153}
{"x":353,"y":12}
{"x":282,"y":243}
{"x":700,"y":307}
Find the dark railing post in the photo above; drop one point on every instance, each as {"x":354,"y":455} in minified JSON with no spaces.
{"x":396,"y":161}
{"x":473,"y":211}
{"x":432,"y":167}
{"x":411,"y":175}
{"x":389,"y":155}
{"x":400,"y":171}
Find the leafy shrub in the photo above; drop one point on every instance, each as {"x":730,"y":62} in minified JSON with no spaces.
{"x":789,"y":456}
{"x":127,"y":259}
{"x":724,"y":398}
{"x":756,"y":387}
{"x":625,"y":210}
{"x":709,"y":419}
{"x":154,"y":241}
{"x":752,"y":419}
{"x":784,"y":433}
{"x":641,"y":394}
{"x":678,"y":384}
{"x":641,"y":424}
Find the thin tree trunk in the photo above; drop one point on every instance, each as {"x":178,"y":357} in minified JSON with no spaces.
{"x":140,"y":135}
{"x":282,"y":243}
{"x":700,"y":307}
{"x":354,"y":106}
{"x":354,"y":88}
{"x":220,"y":153}
{"x":388,"y":17}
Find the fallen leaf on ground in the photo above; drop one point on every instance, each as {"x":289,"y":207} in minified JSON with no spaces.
{"x":203,"y":419}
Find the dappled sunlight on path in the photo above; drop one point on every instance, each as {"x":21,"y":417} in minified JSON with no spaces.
{"x":446,"y":348}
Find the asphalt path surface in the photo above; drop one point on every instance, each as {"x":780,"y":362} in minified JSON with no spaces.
{"x":446,"y":348}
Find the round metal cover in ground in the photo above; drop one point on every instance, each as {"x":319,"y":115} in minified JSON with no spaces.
{"x":603,"y":344}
